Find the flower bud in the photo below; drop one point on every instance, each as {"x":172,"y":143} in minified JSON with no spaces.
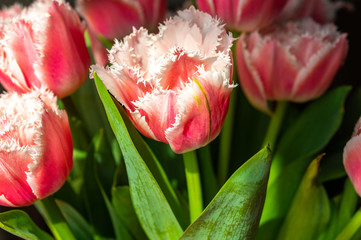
{"x":44,"y":47}
{"x":352,"y":158}
{"x":35,"y":147}
{"x":243,"y":15}
{"x":115,"y":18}
{"x":175,"y":85}
{"x":292,"y":62}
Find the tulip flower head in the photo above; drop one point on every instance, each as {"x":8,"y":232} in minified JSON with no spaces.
{"x":295,"y":62}
{"x":35,"y":147}
{"x":175,"y":85}
{"x":321,"y":11}
{"x":115,"y":18}
{"x":44,"y":46}
{"x":243,"y":15}
{"x":352,"y":158}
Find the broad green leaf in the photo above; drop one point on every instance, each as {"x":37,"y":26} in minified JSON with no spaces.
{"x":235,"y":211}
{"x":151,"y":206}
{"x":76,"y":222}
{"x":156,"y":169}
{"x":19,"y":223}
{"x":311,"y":131}
{"x":124,"y":209}
{"x":279,"y":199}
{"x":310,"y":210}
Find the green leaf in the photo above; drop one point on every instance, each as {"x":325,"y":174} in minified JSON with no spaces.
{"x":124,"y":209}
{"x":312,"y":130}
{"x":19,"y":223}
{"x":156,"y":169}
{"x":310,"y":210}
{"x":310,"y":133}
{"x":235,"y":211}
{"x":98,"y":214}
{"x":352,"y":228}
{"x":152,"y":208}
{"x":76,"y":222}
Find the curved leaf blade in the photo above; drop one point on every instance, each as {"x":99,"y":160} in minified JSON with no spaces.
{"x":235,"y":211}
{"x":152,"y":208}
{"x":19,"y":223}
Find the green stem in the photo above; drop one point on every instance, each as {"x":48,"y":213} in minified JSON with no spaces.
{"x":54,"y":218}
{"x":275,"y":124}
{"x":208,"y":176}
{"x":193,"y":184}
{"x":351,"y":228}
{"x":226,"y":141}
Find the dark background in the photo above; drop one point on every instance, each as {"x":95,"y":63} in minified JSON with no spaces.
{"x":349,"y":74}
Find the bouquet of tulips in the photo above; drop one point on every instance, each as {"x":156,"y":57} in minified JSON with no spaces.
{"x":218,"y":120}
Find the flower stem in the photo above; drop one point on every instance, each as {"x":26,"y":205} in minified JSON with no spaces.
{"x":54,"y":218}
{"x":275,"y":124}
{"x":226,"y":141}
{"x":193,"y":184}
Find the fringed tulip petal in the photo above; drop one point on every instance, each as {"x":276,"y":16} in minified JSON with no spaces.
{"x":35,"y":147}
{"x":175,"y":85}
{"x":292,"y":62}
{"x":352,"y":158}
{"x":44,"y":46}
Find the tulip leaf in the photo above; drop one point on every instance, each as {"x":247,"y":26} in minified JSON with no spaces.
{"x":310,"y":210}
{"x":311,"y":131}
{"x":309,"y":134}
{"x":76,"y":222}
{"x":151,"y":206}
{"x":19,"y":223}
{"x":156,"y":169}
{"x":235,"y":211}
{"x":99,"y":216}
{"x":124,"y":209}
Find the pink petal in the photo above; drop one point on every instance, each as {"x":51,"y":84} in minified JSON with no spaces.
{"x":352,"y":161}
{"x":316,"y":77}
{"x":192,"y":128}
{"x":159,"y":111}
{"x":249,"y":78}
{"x":65,"y":60}
{"x":111,"y":18}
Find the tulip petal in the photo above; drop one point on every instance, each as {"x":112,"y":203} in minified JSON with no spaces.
{"x":352,"y":161}
{"x":249,"y":78}
{"x":320,"y":70}
{"x":64,"y":52}
{"x":111,"y":18}
{"x":192,"y":127}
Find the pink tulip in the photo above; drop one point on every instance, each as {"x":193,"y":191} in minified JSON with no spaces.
{"x":44,"y":47}
{"x":322,"y":11}
{"x":292,"y":62}
{"x":243,"y":15}
{"x":352,"y":158}
{"x":115,"y":18}
{"x":35,"y":147}
{"x":175,"y":85}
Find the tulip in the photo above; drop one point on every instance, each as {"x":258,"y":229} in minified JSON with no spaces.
{"x":44,"y":47}
{"x":243,"y":15}
{"x":322,"y":11}
{"x":35,"y":147}
{"x":9,"y":12}
{"x":115,"y":18}
{"x":292,"y":62}
{"x":352,"y":158}
{"x":175,"y":85}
